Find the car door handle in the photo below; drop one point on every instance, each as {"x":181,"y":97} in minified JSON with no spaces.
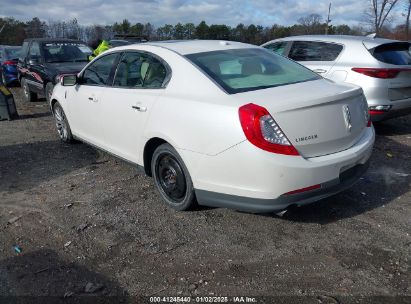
{"x":93,"y":99}
{"x":139,"y":108}
{"x":320,"y":71}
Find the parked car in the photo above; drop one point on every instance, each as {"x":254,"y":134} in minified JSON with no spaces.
{"x":381,"y":67}
{"x":131,"y":39}
{"x":42,"y":61}
{"x":118,"y":42}
{"x":8,"y":63}
{"x":219,"y":123}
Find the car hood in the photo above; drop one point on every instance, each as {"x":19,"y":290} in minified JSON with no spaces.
{"x":65,"y":67}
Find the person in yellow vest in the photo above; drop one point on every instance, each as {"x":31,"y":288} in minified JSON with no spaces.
{"x":103,"y":46}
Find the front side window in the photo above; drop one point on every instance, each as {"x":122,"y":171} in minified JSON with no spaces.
{"x":241,"y":70}
{"x":98,"y":73}
{"x":278,"y":47}
{"x":34,"y":51}
{"x":66,"y":52}
{"x":140,"y":70}
{"x":23,"y":50}
{"x":314,"y":51}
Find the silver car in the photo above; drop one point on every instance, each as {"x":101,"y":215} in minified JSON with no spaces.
{"x":381,"y":67}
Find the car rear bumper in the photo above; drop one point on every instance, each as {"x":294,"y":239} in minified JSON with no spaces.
{"x":377,"y":92}
{"x":255,"y":205}
{"x":247,"y":178}
{"x":398,"y":108}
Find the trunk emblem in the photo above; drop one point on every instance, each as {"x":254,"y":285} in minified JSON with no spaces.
{"x":347,"y":117}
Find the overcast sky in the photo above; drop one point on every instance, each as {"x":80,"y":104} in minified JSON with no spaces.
{"x":159,"y":12}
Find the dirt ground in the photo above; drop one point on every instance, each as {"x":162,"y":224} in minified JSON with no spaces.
{"x":90,"y":224}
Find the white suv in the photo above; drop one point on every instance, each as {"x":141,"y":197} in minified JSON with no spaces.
{"x":381,"y":67}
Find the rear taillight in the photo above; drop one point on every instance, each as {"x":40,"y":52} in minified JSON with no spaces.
{"x":9,"y":62}
{"x":262,"y":130}
{"x":367,"y":117}
{"x":380,"y":73}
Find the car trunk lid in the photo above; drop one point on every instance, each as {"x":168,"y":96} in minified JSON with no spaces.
{"x":318,"y":117}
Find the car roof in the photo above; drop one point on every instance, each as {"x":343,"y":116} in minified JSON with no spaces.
{"x":369,"y":41}
{"x":11,"y":46}
{"x":45,"y":40}
{"x":184,"y":47}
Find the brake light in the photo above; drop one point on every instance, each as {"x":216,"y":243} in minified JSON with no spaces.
{"x":377,"y":112}
{"x":262,"y":130}
{"x":9,"y":62}
{"x":380,"y":73}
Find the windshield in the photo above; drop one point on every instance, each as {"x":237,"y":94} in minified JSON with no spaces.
{"x":66,"y":52}
{"x":12,"y":53}
{"x":242,"y":70}
{"x":398,"y":53}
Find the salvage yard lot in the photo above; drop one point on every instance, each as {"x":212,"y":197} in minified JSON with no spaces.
{"x":89,"y":223}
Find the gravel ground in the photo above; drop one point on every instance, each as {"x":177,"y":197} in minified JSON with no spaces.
{"x":90,"y":224}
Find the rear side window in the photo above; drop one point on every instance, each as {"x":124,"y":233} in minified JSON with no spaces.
{"x":138,"y":70}
{"x":98,"y":73}
{"x":393,"y":53}
{"x":278,"y":47}
{"x":314,"y":51}
{"x":242,"y":70}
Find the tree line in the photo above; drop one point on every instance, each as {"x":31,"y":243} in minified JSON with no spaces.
{"x":377,"y":20}
{"x":15,"y":31}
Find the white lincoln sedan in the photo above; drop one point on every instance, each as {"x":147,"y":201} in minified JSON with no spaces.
{"x":219,"y":123}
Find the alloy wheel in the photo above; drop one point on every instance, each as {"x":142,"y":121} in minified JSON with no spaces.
{"x":61,"y":122}
{"x":26,"y":89}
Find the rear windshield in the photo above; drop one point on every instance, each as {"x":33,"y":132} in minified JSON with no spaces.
{"x":242,"y":70}
{"x":398,"y":53}
{"x":66,"y":52}
{"x":12,"y":53}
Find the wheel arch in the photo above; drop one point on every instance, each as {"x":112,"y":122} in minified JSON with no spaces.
{"x":52,"y":103}
{"x":149,"y":148}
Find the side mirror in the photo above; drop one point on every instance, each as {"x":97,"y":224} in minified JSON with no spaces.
{"x":69,"y":80}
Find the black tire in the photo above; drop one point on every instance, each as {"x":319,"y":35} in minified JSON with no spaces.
{"x":172,"y":179}
{"x":62,"y":124}
{"x":48,"y":91}
{"x":29,"y":96}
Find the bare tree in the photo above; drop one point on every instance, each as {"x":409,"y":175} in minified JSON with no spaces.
{"x":379,"y":13}
{"x":311,"y":24}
